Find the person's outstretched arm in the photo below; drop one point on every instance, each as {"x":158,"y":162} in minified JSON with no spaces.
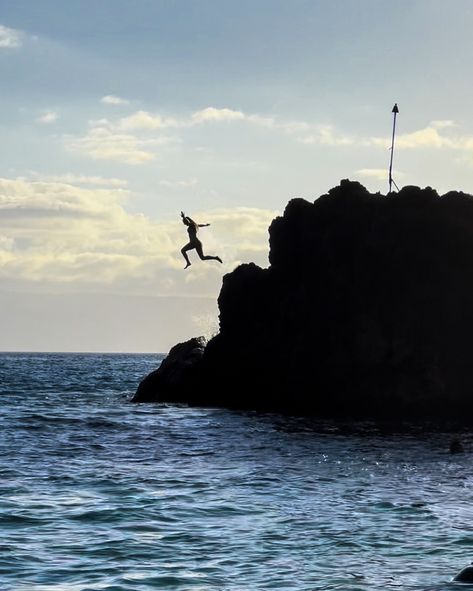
{"x":203,"y":225}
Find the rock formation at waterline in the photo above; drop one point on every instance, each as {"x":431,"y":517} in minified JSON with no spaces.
{"x":174,"y":375}
{"x":366,"y":310}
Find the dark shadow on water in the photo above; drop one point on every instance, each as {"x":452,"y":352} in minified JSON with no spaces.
{"x":306,"y":425}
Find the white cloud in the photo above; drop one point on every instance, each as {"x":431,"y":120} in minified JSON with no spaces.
{"x":428,"y":137}
{"x":213,"y":114}
{"x":23,"y":198}
{"x":438,"y":134}
{"x":77,"y":179}
{"x":100,"y":143}
{"x":144,"y":120}
{"x":10,"y":38}
{"x":48,"y":117}
{"x":127,"y":140}
{"x":243,"y":231}
{"x":111,"y":99}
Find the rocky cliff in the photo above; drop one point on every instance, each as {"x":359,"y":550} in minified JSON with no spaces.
{"x":366,"y":310}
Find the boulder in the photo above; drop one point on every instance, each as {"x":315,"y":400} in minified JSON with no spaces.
{"x":171,"y":381}
{"x":465,"y":575}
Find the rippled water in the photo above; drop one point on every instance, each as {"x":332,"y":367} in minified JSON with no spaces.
{"x":99,"y":494}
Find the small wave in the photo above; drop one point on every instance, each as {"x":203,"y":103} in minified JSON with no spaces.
{"x":12,"y":520}
{"x":98,"y":516}
{"x":463,"y":541}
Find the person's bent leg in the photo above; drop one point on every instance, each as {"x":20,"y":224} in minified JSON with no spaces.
{"x":184,"y":250}
{"x":207,"y":257}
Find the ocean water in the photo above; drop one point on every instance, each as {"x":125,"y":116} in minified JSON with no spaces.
{"x":99,"y":494}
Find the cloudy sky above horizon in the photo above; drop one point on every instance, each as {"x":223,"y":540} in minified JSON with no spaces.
{"x":116,"y":115}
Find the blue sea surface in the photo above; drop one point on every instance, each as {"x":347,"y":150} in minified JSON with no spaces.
{"x":100,"y":494}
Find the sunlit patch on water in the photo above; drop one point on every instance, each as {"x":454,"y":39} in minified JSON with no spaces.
{"x":96,"y":493}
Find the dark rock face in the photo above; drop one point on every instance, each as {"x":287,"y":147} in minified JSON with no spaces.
{"x":172,"y":380}
{"x":366,"y":311}
{"x":465,"y":575}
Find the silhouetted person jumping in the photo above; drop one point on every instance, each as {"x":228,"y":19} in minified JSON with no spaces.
{"x":194,"y":242}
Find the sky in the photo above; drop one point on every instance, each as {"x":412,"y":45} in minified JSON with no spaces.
{"x":116,"y":115}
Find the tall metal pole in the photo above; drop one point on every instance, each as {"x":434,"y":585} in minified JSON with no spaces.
{"x":395,"y":111}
